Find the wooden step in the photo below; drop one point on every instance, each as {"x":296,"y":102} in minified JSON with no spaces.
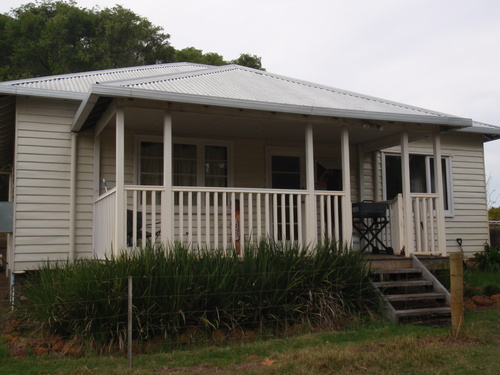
{"x":401,"y":284}
{"x":423,"y":312}
{"x":414,"y":296}
{"x":396,"y":271}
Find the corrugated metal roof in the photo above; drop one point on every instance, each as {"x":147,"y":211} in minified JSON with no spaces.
{"x":81,"y":82}
{"x":246,"y":84}
{"x":229,"y":85}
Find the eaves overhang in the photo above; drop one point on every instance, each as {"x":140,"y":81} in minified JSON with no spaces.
{"x":98,"y":90}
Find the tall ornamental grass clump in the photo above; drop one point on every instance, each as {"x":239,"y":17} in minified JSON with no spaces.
{"x":175,"y":289}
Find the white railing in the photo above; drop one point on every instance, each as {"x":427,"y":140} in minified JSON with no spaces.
{"x":425,"y":236}
{"x":328,"y":204}
{"x":104,"y":223}
{"x":222,"y":218}
{"x":425,"y":222}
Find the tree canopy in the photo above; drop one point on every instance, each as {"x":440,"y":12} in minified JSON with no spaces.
{"x":57,"y":37}
{"x":494,"y":213}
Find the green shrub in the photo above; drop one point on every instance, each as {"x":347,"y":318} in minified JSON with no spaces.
{"x":272,"y":285}
{"x":489,"y":259}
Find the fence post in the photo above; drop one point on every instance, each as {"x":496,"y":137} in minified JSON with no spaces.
{"x":129,"y":328}
{"x":457,"y":292}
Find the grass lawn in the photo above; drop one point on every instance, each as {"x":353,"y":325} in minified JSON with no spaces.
{"x":380,"y":348}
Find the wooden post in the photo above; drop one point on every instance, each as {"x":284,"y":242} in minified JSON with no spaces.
{"x":311,"y":213}
{"x":457,"y":292}
{"x":120,"y":208}
{"x":438,"y":176}
{"x":167,"y":202}
{"x":407,"y":233}
{"x":346,"y":187}
{"x":129,"y":324}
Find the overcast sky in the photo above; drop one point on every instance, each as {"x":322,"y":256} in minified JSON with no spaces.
{"x":438,"y":54}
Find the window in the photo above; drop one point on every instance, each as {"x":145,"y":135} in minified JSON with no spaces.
{"x":194,"y":164}
{"x":422,"y":178}
{"x":4,"y":187}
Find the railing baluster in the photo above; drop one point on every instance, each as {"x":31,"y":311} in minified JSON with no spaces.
{"x":233,"y":220}
{"x":190,"y":219}
{"x":224,"y":221}
{"x":267,"y":213}
{"x":207,"y":220}
{"x":418,"y":229}
{"x":144,"y":218}
{"x":134,"y":219}
{"x":292,"y":217}
{"x":242,"y":222}
{"x":259,"y":217}
{"x":153,"y":218}
{"x":181,"y":216}
{"x":216,"y":220}
{"x":329,"y":216}
{"x":299,"y":219}
{"x":250,"y":216}
{"x":283,"y":217}
{"x":336,"y":204}
{"x":198,"y":217}
{"x":275,"y":216}
{"x":432,"y":217}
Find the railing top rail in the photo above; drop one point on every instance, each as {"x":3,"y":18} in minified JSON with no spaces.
{"x":237,"y":190}
{"x":424,"y":195}
{"x":329,"y":193}
{"x":205,"y":189}
{"x":106,"y":194}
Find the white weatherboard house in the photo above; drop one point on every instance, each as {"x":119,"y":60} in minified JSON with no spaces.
{"x":215,"y":157}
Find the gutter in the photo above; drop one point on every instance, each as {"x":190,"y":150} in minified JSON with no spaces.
{"x":43,"y":93}
{"x":122,"y":92}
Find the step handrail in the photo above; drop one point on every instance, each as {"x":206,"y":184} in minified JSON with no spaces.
{"x":426,"y":274}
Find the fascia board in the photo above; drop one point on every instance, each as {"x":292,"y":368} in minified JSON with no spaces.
{"x":275,"y":107}
{"x":54,"y":94}
{"x":83,"y":111}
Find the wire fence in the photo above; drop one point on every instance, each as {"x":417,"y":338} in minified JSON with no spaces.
{"x":178,"y":298}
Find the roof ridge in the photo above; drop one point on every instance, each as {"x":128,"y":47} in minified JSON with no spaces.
{"x":96,"y":73}
{"x":211,"y":69}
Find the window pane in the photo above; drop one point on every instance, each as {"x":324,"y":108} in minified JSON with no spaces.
{"x":286,"y":164}
{"x":216,"y":166}
{"x":180,"y":180}
{"x":4,"y":187}
{"x":182,"y":151}
{"x":445,"y":181}
{"x":393,"y":176}
{"x":418,"y":181}
{"x":185,"y":165}
{"x":151,"y":163}
{"x":216,"y":153}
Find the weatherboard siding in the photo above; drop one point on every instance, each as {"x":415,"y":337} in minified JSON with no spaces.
{"x":42,"y":181}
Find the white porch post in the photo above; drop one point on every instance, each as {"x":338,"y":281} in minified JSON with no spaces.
{"x":120,"y":223}
{"x":167,"y":211}
{"x":346,"y":187}
{"x":361,"y":174}
{"x":407,"y":205}
{"x":311,"y":212}
{"x":438,"y":175}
